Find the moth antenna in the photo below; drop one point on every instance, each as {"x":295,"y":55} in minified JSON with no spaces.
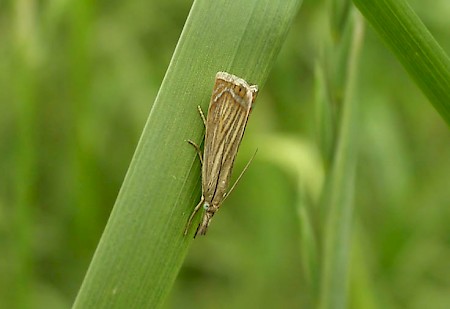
{"x":239,"y":178}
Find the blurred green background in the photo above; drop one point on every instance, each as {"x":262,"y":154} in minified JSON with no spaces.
{"x":77,"y":81}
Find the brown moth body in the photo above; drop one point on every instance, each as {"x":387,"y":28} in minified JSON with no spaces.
{"x":229,"y":108}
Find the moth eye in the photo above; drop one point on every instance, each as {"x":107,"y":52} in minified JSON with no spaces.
{"x":205,"y":206}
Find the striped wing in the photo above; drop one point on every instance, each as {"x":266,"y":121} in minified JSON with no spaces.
{"x":227,"y":118}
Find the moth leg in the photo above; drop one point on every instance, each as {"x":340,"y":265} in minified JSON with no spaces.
{"x":193,"y":214}
{"x":197,"y":148}
{"x":201,"y":114}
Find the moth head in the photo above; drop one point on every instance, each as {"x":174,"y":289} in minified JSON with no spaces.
{"x":210,"y":210}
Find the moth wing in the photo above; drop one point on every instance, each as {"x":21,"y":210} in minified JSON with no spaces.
{"x":227,"y":118}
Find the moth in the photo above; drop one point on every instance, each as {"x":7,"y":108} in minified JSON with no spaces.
{"x":230,"y":106}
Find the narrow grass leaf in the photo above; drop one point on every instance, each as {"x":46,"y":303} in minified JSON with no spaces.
{"x":338,"y":194}
{"x":414,"y":46}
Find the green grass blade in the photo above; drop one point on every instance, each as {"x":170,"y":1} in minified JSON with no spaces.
{"x":143,"y":247}
{"x":414,"y":46}
{"x":338,"y":195}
